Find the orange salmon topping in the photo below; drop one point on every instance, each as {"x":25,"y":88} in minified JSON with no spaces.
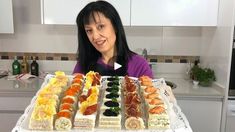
{"x":77,"y":80}
{"x":155,"y":101}
{"x":157,"y":110}
{"x":65,"y":114}
{"x":152,"y":96}
{"x":68,"y":100}
{"x":79,"y":76}
{"x":76,"y":87}
{"x":66,"y":106}
{"x":70,"y":92}
{"x":150,"y":89}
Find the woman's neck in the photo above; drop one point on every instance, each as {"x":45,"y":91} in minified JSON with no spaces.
{"x":109,"y":58}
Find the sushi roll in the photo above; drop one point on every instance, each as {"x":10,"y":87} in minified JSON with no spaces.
{"x":64,"y":120}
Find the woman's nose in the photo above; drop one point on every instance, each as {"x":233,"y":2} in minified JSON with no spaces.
{"x":96,"y":34}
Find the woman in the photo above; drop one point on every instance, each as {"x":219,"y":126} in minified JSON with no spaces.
{"x":102,"y":41}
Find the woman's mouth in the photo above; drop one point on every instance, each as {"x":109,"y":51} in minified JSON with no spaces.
{"x":100,"y":43}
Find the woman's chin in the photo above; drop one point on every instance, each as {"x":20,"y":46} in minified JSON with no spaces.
{"x":102,"y":50}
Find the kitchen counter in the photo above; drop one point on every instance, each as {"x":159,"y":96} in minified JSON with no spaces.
{"x":186,"y":89}
{"x":19,"y":88}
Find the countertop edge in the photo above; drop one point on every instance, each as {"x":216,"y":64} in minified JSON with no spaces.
{"x":199,"y":97}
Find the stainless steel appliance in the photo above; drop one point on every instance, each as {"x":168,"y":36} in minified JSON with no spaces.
{"x":232,"y":73}
{"x":230,"y":122}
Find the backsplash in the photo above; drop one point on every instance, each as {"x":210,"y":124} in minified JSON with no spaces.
{"x":72,"y":57}
{"x":39,"y":56}
{"x":172,"y":59}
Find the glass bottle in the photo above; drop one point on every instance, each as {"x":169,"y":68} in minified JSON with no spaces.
{"x":145,"y":54}
{"x":24,"y":65}
{"x":34,"y":67}
{"x":16,"y":67}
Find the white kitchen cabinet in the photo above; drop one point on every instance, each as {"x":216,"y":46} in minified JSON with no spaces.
{"x":203,"y":115}
{"x":6,"y":16}
{"x":8,"y":120}
{"x":174,"y":12}
{"x":65,"y":12}
{"x":11,"y":108}
{"x":14,"y":103}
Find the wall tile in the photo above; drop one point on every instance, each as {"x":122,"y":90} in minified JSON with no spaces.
{"x":73,"y":57}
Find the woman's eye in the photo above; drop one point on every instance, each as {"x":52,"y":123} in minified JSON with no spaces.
{"x":100,"y":27}
{"x":88,"y":31}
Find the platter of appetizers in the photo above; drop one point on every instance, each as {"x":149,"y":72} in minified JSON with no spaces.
{"x":93,"y":102}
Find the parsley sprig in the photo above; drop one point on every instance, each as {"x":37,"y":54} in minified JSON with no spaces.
{"x":115,"y":109}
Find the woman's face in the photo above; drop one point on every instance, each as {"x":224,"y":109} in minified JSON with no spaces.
{"x":101,"y":34}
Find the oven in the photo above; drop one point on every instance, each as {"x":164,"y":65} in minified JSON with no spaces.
{"x":232,"y":72}
{"x":230,"y":119}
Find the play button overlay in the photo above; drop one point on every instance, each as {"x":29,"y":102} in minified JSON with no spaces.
{"x":117,"y":66}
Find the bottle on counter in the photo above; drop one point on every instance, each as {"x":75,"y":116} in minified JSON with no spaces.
{"x":145,"y":53}
{"x":34,"y":67}
{"x":16,"y":67}
{"x":24,"y":65}
{"x":194,"y":70}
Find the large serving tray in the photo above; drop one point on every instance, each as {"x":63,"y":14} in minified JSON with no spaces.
{"x":179,"y":122}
